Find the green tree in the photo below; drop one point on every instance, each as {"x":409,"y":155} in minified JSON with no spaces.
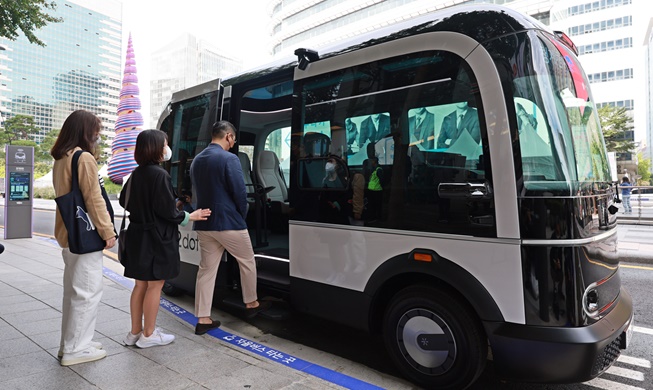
{"x":43,"y":154}
{"x":644,"y":168}
{"x":17,"y":128}
{"x":26,"y":15}
{"x":103,"y":143}
{"x":616,"y":123}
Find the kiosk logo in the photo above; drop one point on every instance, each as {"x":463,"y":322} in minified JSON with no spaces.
{"x":20,"y":156}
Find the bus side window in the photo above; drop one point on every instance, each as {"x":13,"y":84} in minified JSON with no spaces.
{"x":407,"y":124}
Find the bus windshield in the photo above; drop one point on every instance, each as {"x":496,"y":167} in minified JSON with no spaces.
{"x":560,"y":140}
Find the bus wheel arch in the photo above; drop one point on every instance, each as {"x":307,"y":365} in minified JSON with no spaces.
{"x":398,"y":273}
{"x":435,"y":342}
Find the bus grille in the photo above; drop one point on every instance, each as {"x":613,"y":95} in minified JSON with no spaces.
{"x":608,"y":356}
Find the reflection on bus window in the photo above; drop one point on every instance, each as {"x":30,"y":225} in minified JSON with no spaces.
{"x":534,"y":142}
{"x":369,"y":130}
{"x":460,"y":130}
{"x":455,"y":127}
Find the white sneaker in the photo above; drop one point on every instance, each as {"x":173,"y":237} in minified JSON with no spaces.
{"x":131,"y":339}
{"x":90,"y":354}
{"x":93,"y":344}
{"x":156,"y":338}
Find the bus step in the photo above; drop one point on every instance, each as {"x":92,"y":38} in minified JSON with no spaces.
{"x":276,"y":312}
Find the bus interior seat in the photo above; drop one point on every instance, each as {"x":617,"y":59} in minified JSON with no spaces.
{"x":268,"y":174}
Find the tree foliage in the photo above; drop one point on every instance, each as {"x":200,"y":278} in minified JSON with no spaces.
{"x":18,"y":127}
{"x":644,"y":168}
{"x":26,"y":16}
{"x":616,"y":123}
{"x":45,"y":146}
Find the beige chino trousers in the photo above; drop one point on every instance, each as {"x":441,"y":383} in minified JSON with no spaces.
{"x":212,"y":246}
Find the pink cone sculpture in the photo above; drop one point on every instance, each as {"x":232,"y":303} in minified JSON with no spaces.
{"x":128,"y":124}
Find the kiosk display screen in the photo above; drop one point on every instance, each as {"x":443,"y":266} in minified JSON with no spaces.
{"x":19,"y":183}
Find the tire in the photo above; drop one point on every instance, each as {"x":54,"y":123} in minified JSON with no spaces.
{"x":458,"y":350}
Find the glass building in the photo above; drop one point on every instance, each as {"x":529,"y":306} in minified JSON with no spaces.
{"x":183,"y":63}
{"x":608,"y":33}
{"x":78,"y":69}
{"x":315,"y":24}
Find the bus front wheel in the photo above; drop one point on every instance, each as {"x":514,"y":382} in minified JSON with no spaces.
{"x":434,"y":338}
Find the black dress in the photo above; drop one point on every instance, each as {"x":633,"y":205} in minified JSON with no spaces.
{"x":152,"y":234}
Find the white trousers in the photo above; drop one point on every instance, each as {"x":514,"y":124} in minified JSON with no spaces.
{"x":82,"y":292}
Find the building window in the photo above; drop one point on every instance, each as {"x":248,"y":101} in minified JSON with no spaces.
{"x":601,"y":26}
{"x":596,"y":6}
{"x":616,"y":44}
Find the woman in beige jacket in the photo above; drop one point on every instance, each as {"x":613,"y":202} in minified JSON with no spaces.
{"x":82,"y":279}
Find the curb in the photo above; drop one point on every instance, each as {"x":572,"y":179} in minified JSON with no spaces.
{"x":632,"y":256}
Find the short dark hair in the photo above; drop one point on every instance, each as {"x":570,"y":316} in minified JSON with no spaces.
{"x":149,"y":147}
{"x":221,"y":129}
{"x":625,"y":179}
{"x":80,"y":129}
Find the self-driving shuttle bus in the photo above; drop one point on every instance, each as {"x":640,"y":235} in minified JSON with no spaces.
{"x":443,"y":182}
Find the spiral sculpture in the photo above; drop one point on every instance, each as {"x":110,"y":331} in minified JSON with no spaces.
{"x":129,"y":122}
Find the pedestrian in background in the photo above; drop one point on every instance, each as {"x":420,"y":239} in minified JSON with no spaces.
{"x":626,"y":188}
{"x":152,"y":236}
{"x":82,"y":277}
{"x":218,"y":184}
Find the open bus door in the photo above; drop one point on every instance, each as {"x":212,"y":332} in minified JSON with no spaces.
{"x":187,"y":121}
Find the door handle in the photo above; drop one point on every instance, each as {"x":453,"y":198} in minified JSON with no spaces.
{"x":464,"y":190}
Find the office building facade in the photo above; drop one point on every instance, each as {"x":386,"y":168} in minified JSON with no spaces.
{"x":608,"y":33}
{"x":78,"y":69}
{"x":609,"y":36}
{"x":183,"y":63}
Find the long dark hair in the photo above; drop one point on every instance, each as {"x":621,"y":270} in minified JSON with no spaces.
{"x":81,"y":128}
{"x":149,"y":147}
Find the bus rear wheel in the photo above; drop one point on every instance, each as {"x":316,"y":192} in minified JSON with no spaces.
{"x":434,"y":338}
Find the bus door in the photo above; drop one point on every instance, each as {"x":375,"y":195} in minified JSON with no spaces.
{"x":187,"y":121}
{"x":261,"y":110}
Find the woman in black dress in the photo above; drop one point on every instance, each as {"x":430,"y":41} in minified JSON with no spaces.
{"x":152,"y":236}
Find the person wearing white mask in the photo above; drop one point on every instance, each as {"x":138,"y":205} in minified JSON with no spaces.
{"x":152,"y":236}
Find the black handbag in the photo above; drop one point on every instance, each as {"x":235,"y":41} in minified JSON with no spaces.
{"x":83,"y":237}
{"x":122,"y":236}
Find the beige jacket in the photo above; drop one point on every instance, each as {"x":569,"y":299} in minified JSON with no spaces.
{"x":89,"y":185}
{"x":358,"y":199}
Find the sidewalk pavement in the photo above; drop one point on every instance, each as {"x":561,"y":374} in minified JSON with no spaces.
{"x":31,"y":274}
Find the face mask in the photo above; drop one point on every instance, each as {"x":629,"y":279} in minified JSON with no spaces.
{"x":330,"y":167}
{"x":167,"y":153}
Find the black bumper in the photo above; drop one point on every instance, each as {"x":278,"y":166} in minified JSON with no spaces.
{"x":559,"y":355}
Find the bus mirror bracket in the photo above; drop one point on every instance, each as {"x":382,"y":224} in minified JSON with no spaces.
{"x":305,"y":57}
